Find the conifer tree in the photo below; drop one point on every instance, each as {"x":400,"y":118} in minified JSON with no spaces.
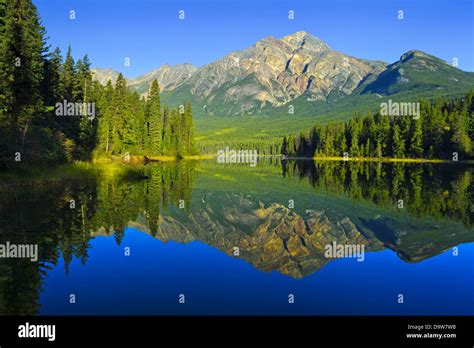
{"x":416,"y":139}
{"x":153,"y":117}
{"x":166,"y":142}
{"x":354,"y":136}
{"x":118,"y":116}
{"x":398,"y":144}
{"x":176,"y":143}
{"x":189,"y":129}
{"x":105,"y":118}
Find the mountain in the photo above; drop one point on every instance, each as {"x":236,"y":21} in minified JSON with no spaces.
{"x":169,"y":77}
{"x":104,"y":75}
{"x":271,"y":72}
{"x":417,"y":70}
{"x":275,"y":71}
{"x":298,"y":68}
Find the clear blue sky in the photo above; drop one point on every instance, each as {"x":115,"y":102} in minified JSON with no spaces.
{"x":151,"y":34}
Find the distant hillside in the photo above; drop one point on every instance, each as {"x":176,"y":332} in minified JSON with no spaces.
{"x":418,"y":71}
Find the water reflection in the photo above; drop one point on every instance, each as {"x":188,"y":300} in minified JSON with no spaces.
{"x":235,"y":208}
{"x":435,"y":190}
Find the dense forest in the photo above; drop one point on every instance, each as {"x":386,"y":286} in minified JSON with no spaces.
{"x":128,"y":123}
{"x":52,"y":111}
{"x":444,"y":127}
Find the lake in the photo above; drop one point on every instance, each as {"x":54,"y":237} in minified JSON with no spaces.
{"x":202,"y":238}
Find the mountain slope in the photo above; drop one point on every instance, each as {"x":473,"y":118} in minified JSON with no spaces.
{"x":104,"y":75}
{"x":169,"y":77}
{"x":416,"y":71}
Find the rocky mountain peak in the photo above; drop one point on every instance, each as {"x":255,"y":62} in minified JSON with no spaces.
{"x":413,"y":54}
{"x":302,"y":39}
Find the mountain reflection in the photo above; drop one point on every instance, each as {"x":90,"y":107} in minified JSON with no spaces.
{"x":235,"y":207}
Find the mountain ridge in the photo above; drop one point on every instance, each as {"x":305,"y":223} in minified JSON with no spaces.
{"x":273,"y":72}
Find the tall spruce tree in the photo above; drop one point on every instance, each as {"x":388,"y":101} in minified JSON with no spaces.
{"x":153,"y":117}
{"x":166,"y":138}
{"x":189,"y":130}
{"x":416,"y":139}
{"x":118,"y":115}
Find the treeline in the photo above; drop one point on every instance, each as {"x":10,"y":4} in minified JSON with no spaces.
{"x":51,"y":111}
{"x":443,"y":127}
{"x":129,"y":123}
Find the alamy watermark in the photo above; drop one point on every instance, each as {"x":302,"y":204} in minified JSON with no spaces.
{"x":392,"y":108}
{"x":66,"y":108}
{"x":28,"y":330}
{"x":337,"y":251}
{"x":20,"y":251}
{"x":237,"y":156}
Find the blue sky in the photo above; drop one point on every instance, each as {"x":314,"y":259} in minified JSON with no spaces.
{"x":150,"y":33}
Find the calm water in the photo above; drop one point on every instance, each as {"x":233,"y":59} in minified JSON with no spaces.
{"x":240,"y":240}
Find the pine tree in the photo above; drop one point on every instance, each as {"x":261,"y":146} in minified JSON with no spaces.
{"x":52,"y":85}
{"x":378,"y":149}
{"x":70,"y":126}
{"x":166,"y":130}
{"x":105,"y":118}
{"x":68,"y":76}
{"x":327,"y":141}
{"x":398,"y":143}
{"x":176,"y":143}
{"x":51,"y":89}
{"x":138,"y":122}
{"x":87,"y":124}
{"x":416,"y":139}
{"x":383,"y":134}
{"x":354,"y":137}
{"x":189,"y":128}
{"x":153,"y":117}
{"x":460,"y":138}
{"x":118,"y":108}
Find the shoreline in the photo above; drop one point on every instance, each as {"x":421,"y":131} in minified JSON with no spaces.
{"x":143,"y":159}
{"x":163,"y":158}
{"x":385,"y":159}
